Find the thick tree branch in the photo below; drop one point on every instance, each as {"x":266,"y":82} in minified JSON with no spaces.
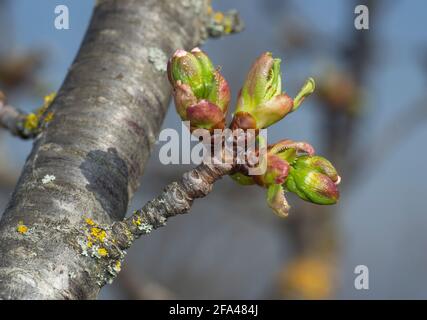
{"x":88,"y":161}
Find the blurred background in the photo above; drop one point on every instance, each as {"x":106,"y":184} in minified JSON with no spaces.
{"x":368,"y":115}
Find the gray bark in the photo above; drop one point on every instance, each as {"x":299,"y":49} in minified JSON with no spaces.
{"x":106,"y":117}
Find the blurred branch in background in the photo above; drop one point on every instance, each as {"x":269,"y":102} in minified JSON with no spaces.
{"x":8,"y":79}
{"x":17,"y":70}
{"x":400,"y":128}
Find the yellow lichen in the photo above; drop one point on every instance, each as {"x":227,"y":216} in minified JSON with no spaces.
{"x":137,"y":221}
{"x":21,"y":228}
{"x":49,"y":98}
{"x":49,"y":117}
{"x":90,"y":222}
{"x":218,"y":17}
{"x":228,"y":26}
{"x":89,"y":244}
{"x":118,"y":266}
{"x":98,"y":234}
{"x":31,"y":122}
{"x":102,"y":252}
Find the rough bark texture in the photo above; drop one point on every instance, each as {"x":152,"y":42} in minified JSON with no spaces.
{"x":106,"y":116}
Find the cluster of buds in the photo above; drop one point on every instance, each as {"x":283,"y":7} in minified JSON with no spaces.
{"x":201,"y":93}
{"x":297,"y":169}
{"x":202,"y":96}
{"x":293,"y":166}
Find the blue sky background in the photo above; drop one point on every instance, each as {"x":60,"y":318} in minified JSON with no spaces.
{"x":383,"y":220}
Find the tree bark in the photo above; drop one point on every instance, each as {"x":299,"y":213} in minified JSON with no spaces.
{"x":106,"y":116}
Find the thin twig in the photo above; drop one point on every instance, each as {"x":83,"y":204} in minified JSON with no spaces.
{"x":176,"y":199}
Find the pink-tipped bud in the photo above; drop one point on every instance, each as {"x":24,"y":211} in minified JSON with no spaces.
{"x":196,"y":83}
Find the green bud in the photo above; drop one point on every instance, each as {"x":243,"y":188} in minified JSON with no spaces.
{"x":261,"y":95}
{"x":193,"y":69}
{"x":201,"y":93}
{"x":319,"y":164}
{"x":314,"y":179}
{"x":262,"y":86}
{"x":262,"y":83}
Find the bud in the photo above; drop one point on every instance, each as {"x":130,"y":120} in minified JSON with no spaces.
{"x":262,"y":83}
{"x":201,"y":93}
{"x":314,"y":179}
{"x":261,"y":101}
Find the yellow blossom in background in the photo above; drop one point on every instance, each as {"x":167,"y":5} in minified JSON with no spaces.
{"x":308,"y":278}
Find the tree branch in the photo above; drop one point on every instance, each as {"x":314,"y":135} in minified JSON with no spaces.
{"x":12,"y":119}
{"x":176,"y":199}
{"x":88,"y":160}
